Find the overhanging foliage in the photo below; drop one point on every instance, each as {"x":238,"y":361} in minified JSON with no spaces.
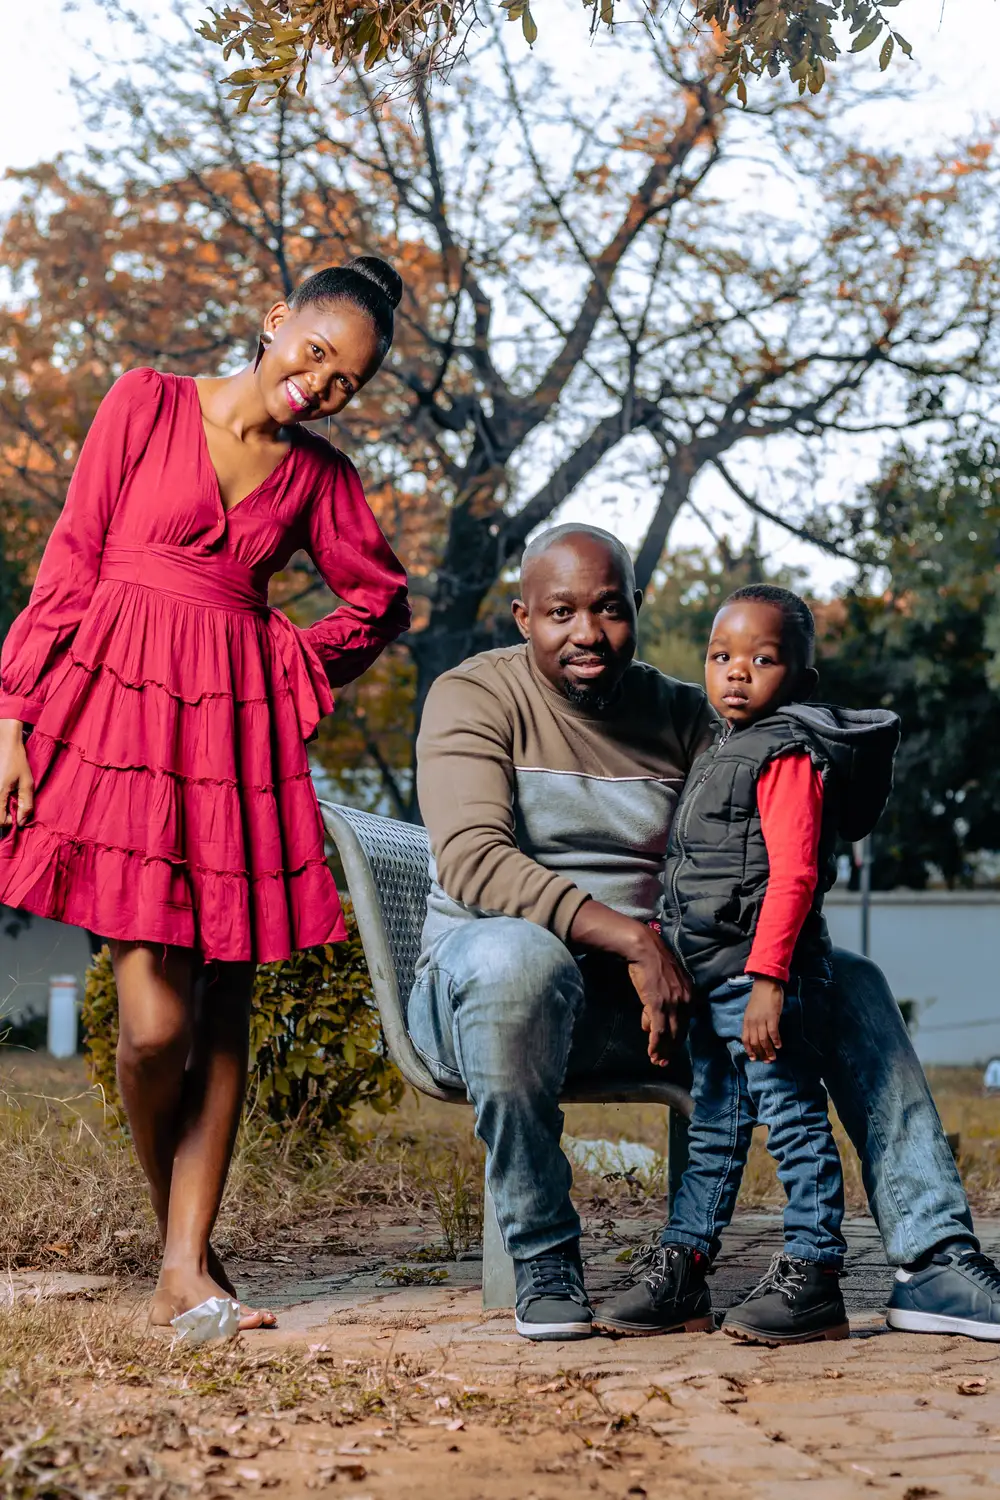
{"x":407,"y":40}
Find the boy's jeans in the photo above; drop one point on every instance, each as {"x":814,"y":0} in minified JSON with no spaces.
{"x":732,"y":1092}
{"x":501,"y":1006}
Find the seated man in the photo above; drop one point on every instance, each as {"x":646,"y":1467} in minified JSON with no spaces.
{"x":548,"y":775}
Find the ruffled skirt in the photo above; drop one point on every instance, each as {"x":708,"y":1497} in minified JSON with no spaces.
{"x":173,"y":799}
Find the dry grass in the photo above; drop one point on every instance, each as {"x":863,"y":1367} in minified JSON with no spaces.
{"x":92,"y":1406}
{"x":72,"y":1195}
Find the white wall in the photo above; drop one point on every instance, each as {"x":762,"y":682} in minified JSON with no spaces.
{"x":939,"y":949}
{"x":28,"y":960}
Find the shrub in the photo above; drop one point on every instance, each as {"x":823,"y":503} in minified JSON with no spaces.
{"x":316,"y":1048}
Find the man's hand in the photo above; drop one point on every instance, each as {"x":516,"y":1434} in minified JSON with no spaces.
{"x":761,"y":1035}
{"x":15,"y":775}
{"x":662,"y":986}
{"x":659,"y":980}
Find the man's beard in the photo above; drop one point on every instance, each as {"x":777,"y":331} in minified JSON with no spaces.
{"x":595,"y":697}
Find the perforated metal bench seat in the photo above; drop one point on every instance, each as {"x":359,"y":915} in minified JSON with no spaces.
{"x":386,"y":864}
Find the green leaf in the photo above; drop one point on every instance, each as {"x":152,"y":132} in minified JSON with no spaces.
{"x":903,"y":44}
{"x":867,"y":35}
{"x":885,"y":56}
{"x":529,"y":28}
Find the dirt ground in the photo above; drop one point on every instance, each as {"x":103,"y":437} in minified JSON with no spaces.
{"x":386,"y":1389}
{"x":386,"y":1379}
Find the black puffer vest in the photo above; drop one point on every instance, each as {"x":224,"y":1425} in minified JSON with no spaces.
{"x":716,"y":869}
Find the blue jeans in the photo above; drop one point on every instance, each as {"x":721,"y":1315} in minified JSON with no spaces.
{"x":733,"y":1092}
{"x":501,"y":1007}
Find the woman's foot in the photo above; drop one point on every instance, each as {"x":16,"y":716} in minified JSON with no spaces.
{"x":217,"y":1271}
{"x":178,"y":1291}
{"x":214,"y":1265}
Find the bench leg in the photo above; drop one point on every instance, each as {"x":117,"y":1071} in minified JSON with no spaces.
{"x":498,"y":1268}
{"x":677,"y":1154}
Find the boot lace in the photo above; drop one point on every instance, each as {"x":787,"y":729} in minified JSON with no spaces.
{"x":983,"y":1270}
{"x":782,"y":1275}
{"x":554,"y":1273}
{"x":655,"y":1264}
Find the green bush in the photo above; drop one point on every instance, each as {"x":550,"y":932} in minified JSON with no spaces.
{"x":316,"y":1048}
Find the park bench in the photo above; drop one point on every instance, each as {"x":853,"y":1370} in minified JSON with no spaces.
{"x":386,"y":865}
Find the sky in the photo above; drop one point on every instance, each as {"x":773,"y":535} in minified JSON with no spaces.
{"x":952,"y":84}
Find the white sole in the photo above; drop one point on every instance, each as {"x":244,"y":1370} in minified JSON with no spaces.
{"x":553,"y":1330}
{"x":905,"y":1321}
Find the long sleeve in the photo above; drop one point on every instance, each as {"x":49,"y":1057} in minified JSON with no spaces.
{"x":358,"y":565}
{"x":465,"y":787}
{"x":790,"y":800}
{"x":70,"y":568}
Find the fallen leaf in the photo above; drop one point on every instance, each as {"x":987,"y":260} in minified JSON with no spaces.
{"x":61,"y":1247}
{"x":976,"y":1385}
{"x":344,"y":1469}
{"x":455,"y":1425}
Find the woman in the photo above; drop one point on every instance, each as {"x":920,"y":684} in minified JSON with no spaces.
{"x":163,"y":798}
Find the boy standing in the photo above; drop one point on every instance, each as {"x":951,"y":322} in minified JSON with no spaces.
{"x":749,"y":860}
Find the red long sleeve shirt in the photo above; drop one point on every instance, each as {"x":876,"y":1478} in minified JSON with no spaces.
{"x":790,"y":799}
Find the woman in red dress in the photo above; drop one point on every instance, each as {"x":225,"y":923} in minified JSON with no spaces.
{"x":163,"y":798}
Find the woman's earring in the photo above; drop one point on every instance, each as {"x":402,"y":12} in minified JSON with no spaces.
{"x":265,"y":340}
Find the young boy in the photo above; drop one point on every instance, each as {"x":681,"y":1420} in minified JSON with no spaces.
{"x":751,"y":855}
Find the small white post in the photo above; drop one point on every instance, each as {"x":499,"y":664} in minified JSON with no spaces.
{"x":62,"y":1015}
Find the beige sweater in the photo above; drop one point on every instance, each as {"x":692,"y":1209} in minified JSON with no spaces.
{"x":533,"y":804}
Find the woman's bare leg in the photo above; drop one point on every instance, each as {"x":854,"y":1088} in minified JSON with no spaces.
{"x":153,"y":1054}
{"x":155,"y":1033}
{"x":182,"y":1065}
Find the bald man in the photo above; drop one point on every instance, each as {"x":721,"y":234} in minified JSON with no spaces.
{"x":548,"y":775}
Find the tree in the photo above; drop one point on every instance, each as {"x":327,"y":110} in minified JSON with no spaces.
{"x":926,"y":648}
{"x":403,"y":45}
{"x":597,"y":304}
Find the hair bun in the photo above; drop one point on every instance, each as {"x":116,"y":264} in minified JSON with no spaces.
{"x":388,"y":281}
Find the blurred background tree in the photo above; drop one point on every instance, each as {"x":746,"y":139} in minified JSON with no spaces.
{"x":600,"y":306}
{"x":925,"y":646}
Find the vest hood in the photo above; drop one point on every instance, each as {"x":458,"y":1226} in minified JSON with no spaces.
{"x":860,"y":744}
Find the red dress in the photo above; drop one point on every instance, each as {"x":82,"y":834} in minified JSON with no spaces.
{"x":170,"y":704}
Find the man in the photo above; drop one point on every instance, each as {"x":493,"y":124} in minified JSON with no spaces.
{"x":547,"y":776}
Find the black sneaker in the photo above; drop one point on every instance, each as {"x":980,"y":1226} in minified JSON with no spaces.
{"x":959,"y":1292}
{"x":798,"y":1302}
{"x":671,"y":1296}
{"x":551,"y":1300}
